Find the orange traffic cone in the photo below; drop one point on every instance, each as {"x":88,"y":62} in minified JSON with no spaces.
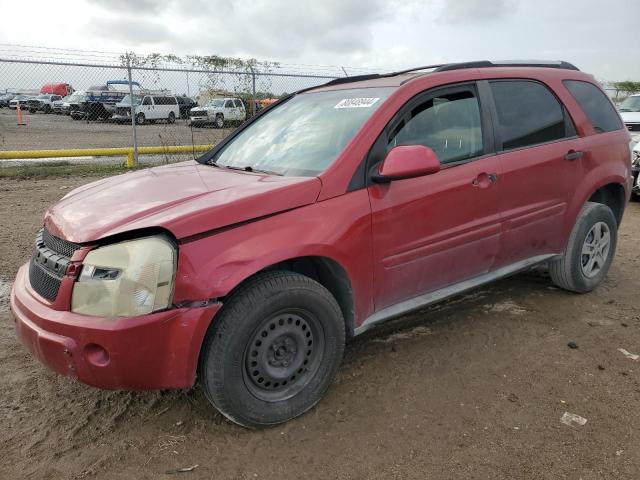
{"x":19,"y":111}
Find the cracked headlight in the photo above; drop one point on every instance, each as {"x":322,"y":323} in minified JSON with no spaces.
{"x":126,"y":279}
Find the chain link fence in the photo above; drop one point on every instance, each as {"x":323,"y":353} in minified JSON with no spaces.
{"x":183,"y":105}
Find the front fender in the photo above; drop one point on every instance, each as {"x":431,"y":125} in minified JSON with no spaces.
{"x":338,"y":229}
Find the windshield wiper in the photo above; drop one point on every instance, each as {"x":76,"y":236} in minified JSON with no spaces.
{"x":251,"y":169}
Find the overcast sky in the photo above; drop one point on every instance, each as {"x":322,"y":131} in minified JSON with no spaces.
{"x":599,"y":36}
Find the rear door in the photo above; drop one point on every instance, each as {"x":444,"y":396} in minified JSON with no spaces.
{"x":231,"y":112}
{"x":539,"y":153}
{"x":440,"y":229}
{"x":241,"y":111}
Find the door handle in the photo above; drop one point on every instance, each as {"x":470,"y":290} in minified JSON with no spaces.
{"x":573,"y":155}
{"x":483,"y":180}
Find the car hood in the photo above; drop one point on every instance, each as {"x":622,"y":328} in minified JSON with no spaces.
{"x":185,"y":198}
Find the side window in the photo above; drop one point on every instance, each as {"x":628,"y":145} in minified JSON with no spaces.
{"x":229,"y":104}
{"x":146,"y":101}
{"x":528,"y":114}
{"x":449,"y":124}
{"x":238,"y":103}
{"x":595,"y":105}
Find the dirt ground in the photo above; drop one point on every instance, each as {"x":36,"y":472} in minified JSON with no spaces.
{"x":473,"y":389}
{"x":62,"y":132}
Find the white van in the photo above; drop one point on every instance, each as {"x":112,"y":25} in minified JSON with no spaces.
{"x":148,"y":108}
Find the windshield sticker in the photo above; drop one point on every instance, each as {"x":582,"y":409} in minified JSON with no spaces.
{"x":356,"y":102}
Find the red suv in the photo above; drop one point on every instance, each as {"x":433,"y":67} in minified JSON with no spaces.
{"x":335,"y":209}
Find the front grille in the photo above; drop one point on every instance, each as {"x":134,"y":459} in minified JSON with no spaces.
{"x":633,"y":127}
{"x":58,"y":245}
{"x":43,"y":282}
{"x":51,"y":256}
{"x":198,"y":113}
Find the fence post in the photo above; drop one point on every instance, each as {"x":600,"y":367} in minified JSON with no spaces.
{"x":253,"y":90}
{"x":132,"y":160}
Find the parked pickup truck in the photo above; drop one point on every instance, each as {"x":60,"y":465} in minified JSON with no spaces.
{"x":100,"y":100}
{"x":218,"y":112}
{"x":42,"y":103}
{"x":19,"y":100}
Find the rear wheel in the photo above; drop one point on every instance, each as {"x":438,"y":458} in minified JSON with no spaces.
{"x":589,"y":252}
{"x":273,"y":350}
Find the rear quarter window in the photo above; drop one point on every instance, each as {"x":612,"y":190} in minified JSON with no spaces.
{"x":595,"y":104}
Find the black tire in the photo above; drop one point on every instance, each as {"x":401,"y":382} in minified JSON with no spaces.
{"x":32,"y":110}
{"x":572,"y":270}
{"x":47,"y":109}
{"x":219,"y":121}
{"x":273,"y":350}
{"x":171,"y":118}
{"x":140,"y":119}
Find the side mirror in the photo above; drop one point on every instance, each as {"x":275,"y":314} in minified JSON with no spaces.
{"x":407,"y":161}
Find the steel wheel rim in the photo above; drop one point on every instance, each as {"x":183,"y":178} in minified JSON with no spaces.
{"x":595,"y":249}
{"x":283,"y":355}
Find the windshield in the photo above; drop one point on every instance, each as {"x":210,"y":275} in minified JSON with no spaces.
{"x":43,"y":96}
{"x":215,"y":103}
{"x":304,"y":135}
{"x":630,"y":104}
{"x":137,"y":100}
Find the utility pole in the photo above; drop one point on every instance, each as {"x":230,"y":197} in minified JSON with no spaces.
{"x":132,"y":161}
{"x":253,"y":90}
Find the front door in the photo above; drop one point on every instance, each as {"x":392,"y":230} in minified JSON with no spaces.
{"x":231,"y":112}
{"x":433,"y":231}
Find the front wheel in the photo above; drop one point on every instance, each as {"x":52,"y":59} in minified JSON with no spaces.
{"x":273,"y":350}
{"x":171,"y":118}
{"x":590,"y":250}
{"x":140,"y":119}
{"x":219,"y":121}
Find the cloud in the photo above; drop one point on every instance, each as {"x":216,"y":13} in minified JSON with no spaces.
{"x":267,"y":28}
{"x":133,"y":31}
{"x":456,"y":12}
{"x":142,"y":7}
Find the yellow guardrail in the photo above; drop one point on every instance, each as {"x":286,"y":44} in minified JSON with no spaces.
{"x":103,"y":152}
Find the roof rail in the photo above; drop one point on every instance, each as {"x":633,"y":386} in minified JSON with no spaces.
{"x":448,"y":67}
{"x":508,"y":63}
